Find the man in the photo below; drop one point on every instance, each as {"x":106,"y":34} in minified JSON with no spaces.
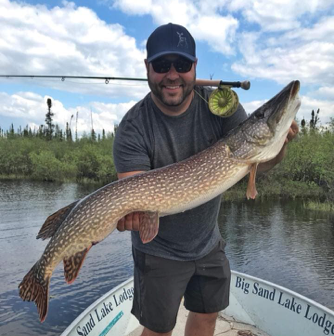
{"x":186,"y":258}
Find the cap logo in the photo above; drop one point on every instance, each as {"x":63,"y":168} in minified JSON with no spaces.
{"x":182,"y":41}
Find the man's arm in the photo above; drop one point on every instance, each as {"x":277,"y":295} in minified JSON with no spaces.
{"x":131,"y":221}
{"x":123,"y":175}
{"x":265,"y":166}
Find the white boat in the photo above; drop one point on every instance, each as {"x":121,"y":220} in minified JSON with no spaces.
{"x":254,"y":303}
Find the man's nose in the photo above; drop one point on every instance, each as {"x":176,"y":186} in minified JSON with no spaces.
{"x":172,"y":73}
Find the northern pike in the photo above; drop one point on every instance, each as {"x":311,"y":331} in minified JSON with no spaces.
{"x":175,"y":188}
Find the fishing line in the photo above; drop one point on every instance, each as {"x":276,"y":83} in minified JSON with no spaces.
{"x":201,"y":96}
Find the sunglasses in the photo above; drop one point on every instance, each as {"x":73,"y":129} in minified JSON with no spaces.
{"x":162,"y":65}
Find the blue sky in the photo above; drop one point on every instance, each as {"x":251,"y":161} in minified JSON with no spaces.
{"x":269,"y":42}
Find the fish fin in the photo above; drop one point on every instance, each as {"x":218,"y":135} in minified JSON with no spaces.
{"x":72,"y":265}
{"x":228,"y":151}
{"x":148,"y":226}
{"x":251,"y":187}
{"x":53,"y":222}
{"x":34,"y":287}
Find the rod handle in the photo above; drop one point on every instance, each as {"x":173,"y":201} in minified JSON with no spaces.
{"x":209,"y":82}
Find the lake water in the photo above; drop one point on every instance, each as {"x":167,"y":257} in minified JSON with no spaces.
{"x":276,"y":241}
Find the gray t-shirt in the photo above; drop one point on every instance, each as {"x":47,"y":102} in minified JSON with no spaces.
{"x":147,"y":139}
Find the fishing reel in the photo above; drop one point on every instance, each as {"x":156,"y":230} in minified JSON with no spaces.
{"x":224,"y":101}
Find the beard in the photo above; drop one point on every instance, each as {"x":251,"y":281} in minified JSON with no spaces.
{"x":170,"y":99}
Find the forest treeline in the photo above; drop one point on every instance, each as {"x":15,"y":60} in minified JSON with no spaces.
{"x":51,"y":154}
{"x":306,"y":171}
{"x":55,"y":160}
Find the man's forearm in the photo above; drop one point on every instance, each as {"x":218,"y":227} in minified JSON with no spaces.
{"x":265,"y":166}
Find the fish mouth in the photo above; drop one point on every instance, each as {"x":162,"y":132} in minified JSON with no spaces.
{"x":294,"y":96}
{"x":295,"y":88}
{"x":283,"y":107}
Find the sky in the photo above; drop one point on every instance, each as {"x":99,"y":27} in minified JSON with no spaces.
{"x":268,"y":42}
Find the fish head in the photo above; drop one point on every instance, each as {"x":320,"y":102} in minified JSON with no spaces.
{"x":282,"y":109}
{"x":261,"y":136}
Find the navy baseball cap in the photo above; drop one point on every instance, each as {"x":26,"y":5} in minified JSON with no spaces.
{"x":171,"y":39}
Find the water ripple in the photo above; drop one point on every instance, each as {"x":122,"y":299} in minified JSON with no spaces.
{"x":276,"y":241}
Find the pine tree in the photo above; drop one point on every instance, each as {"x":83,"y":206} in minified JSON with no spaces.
{"x":41,"y":131}
{"x":26,"y":132}
{"x":93,"y":135}
{"x":49,"y":121}
{"x":68,"y":133}
{"x":11,"y":133}
{"x":76,"y":127}
{"x":314,"y":119}
{"x":115,"y":130}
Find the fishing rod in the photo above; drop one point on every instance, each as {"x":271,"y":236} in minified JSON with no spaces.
{"x":223,"y":101}
{"x":210,"y":82}
{"x":107,"y":79}
{"x":202,"y":82}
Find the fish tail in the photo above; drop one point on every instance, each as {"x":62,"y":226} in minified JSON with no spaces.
{"x":35,"y":287}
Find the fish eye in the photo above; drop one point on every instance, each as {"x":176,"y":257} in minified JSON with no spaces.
{"x":259,"y":114}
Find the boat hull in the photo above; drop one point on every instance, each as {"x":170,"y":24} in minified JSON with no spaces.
{"x":277,"y":310}
{"x":274,"y":309}
{"x":109,"y":315}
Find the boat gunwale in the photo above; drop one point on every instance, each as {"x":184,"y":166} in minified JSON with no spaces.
{"x":315,"y":304}
{"x":69,"y":328}
{"x":286,"y":290}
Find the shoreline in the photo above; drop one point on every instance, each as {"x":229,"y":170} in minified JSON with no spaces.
{"x":314,"y":197}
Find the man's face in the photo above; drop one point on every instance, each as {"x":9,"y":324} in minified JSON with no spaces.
{"x":171,"y":88}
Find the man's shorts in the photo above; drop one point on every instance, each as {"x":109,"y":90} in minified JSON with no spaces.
{"x":161,"y":283}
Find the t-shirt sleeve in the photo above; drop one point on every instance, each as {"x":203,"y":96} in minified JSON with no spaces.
{"x":239,"y":116}
{"x":129,"y":149}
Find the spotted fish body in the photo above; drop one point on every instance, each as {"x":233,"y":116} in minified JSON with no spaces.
{"x":160,"y":192}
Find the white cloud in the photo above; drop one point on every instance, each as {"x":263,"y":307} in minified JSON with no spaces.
{"x":324,"y":92}
{"x":284,"y":64}
{"x":252,"y":106}
{"x":202,"y":19}
{"x":306,"y":54}
{"x":67,"y":40}
{"x":293,"y":56}
{"x":216,"y":21}
{"x":27,"y":108}
{"x":218,"y":32}
{"x":278,"y":15}
{"x":20,"y":105}
{"x":308,"y":104}
{"x":321,"y":30}
{"x":132,"y":7}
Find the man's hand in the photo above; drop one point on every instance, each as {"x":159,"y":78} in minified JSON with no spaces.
{"x":265,"y":166}
{"x":129,"y":222}
{"x":293,"y":131}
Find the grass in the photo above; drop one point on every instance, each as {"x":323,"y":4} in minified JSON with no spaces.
{"x":314,"y":197}
{"x":319,"y":206}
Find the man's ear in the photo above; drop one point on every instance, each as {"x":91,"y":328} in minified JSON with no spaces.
{"x":146,"y":64}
